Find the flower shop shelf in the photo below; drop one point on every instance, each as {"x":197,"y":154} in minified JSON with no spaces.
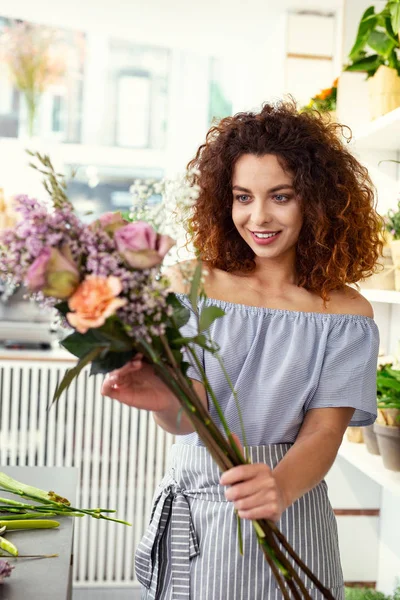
{"x":382,"y":133}
{"x":370,"y":465}
{"x":388,"y":296}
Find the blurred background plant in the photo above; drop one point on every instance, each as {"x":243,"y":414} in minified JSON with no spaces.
{"x":392,"y":222}
{"x":325,"y":101}
{"x":362,"y":593}
{"x":377,"y":41}
{"x":33,"y":55}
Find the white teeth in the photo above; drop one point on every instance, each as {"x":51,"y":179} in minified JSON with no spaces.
{"x":266,"y":235}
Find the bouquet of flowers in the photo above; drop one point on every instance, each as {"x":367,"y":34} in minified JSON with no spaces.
{"x":325,"y":100}
{"x":104,"y":280}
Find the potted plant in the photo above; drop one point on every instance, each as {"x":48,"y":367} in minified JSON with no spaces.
{"x":324,"y":101}
{"x":392,"y":225}
{"x":387,"y":426}
{"x":375,"y":52}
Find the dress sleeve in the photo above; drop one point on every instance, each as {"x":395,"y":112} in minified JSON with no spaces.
{"x":189,"y":330}
{"x":348,"y":372}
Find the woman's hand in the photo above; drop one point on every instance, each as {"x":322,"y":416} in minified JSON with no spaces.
{"x":136,"y":384}
{"x":254,"y":491}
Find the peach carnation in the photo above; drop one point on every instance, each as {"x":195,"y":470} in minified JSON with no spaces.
{"x":94,"y":301}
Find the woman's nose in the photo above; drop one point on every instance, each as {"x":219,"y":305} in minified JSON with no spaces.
{"x":261,"y":213}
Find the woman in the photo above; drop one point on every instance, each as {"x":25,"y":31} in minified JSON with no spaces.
{"x":284,"y":222}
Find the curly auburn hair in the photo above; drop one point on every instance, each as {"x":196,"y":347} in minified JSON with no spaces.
{"x":340,"y":241}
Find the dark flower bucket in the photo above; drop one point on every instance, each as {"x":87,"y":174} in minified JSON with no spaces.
{"x":388,"y":438}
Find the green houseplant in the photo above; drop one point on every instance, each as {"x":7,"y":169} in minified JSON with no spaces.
{"x":362,"y":593}
{"x":375,"y":52}
{"x":387,"y":426}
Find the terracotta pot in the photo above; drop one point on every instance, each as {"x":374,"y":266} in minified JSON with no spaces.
{"x":383,"y":91}
{"x":370,"y":440}
{"x":355,"y":434}
{"x":389,"y":445}
{"x":395,"y":250}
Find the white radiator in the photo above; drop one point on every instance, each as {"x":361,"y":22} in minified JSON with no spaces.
{"x":120,"y":452}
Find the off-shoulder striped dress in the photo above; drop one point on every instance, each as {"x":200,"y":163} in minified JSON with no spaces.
{"x":282,"y":364}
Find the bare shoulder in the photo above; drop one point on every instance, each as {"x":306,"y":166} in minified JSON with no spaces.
{"x":350,"y":301}
{"x":181,"y":274}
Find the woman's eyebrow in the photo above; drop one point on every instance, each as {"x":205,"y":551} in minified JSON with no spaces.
{"x":276,"y":188}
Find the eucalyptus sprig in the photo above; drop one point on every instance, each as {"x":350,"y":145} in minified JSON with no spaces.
{"x":53,"y":182}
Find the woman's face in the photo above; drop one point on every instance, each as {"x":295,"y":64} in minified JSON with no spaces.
{"x":265,"y":210}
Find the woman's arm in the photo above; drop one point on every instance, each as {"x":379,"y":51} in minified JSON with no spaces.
{"x":312,"y":455}
{"x":258,"y":492}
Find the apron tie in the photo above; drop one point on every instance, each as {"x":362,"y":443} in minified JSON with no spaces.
{"x":171,"y":505}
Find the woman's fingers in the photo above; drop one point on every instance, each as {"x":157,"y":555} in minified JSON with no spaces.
{"x":122,"y":377}
{"x":127,"y":367}
{"x":243,"y":472}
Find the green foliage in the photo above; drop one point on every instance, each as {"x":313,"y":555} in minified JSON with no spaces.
{"x":325,"y":101}
{"x":364,"y":594}
{"x":370,"y":594}
{"x":388,"y":387}
{"x":208,"y":315}
{"x":394,"y":8}
{"x":377,"y":41}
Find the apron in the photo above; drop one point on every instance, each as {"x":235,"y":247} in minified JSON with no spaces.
{"x":190,"y":550}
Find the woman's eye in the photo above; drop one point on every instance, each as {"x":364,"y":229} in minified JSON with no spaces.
{"x":242,"y":198}
{"x":281,"y":198}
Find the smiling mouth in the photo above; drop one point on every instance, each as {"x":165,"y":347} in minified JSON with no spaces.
{"x":263,"y":235}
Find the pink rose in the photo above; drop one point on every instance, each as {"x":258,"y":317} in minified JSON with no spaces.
{"x":53,"y":273}
{"x":109,"y":222}
{"x":141,"y":246}
{"x":94,"y":301}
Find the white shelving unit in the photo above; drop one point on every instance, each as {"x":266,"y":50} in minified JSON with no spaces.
{"x":370,"y":465}
{"x":360,"y":474}
{"x":382,"y":133}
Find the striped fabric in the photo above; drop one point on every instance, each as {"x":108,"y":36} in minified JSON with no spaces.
{"x":283,"y":363}
{"x":190,"y":550}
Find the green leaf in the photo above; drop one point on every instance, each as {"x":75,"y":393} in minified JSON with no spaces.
{"x":367,"y":24}
{"x":74,"y":372}
{"x":80,"y":344}
{"x":113,"y":334}
{"x":381,"y":43}
{"x":194,"y":286}
{"x":369,"y":64}
{"x":63,"y":308}
{"x":110,"y":361}
{"x":394,"y":8}
{"x":208,"y":315}
{"x":181,"y":313}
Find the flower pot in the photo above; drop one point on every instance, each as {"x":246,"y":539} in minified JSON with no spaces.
{"x":355,"y":434}
{"x":383,"y":91}
{"x":370,"y":440}
{"x":395,"y":249}
{"x":389,"y":445}
{"x":389,"y":416}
